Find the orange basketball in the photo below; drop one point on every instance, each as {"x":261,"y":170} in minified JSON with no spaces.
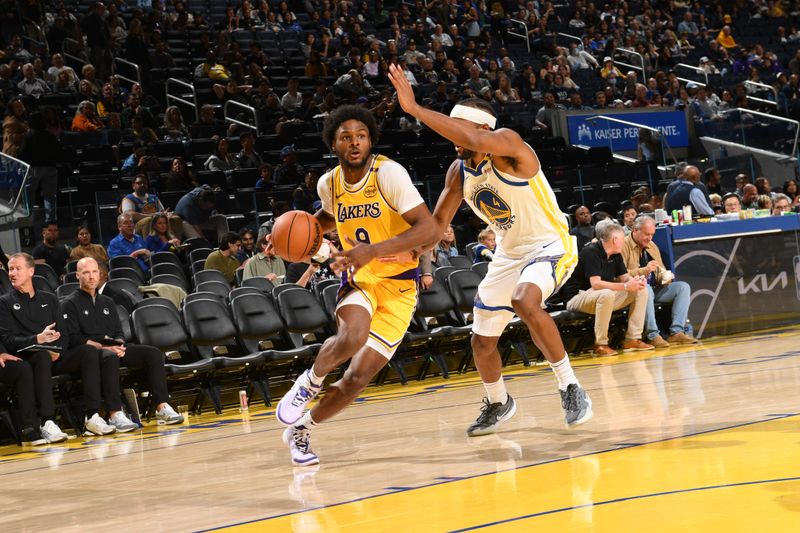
{"x":296,"y":236}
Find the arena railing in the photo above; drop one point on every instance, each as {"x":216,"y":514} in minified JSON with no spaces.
{"x":764,"y":87}
{"x":665,"y":146}
{"x":181,"y":98}
{"x":698,"y":70}
{"x":75,"y":47}
{"x":239,"y":105}
{"x":136,"y":69}
{"x":571,"y":38}
{"x":634,"y":54}
{"x":758,"y":130}
{"x":14,"y":203}
{"x":523,"y":35}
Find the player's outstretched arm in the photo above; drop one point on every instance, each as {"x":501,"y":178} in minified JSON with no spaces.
{"x":448,"y":203}
{"x":502,"y":142}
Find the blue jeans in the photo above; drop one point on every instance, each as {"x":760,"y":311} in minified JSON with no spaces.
{"x":677,"y":292}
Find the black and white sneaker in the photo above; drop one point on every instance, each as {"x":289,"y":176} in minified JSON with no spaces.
{"x":31,"y":436}
{"x":492,"y":414}
{"x":577,"y":405}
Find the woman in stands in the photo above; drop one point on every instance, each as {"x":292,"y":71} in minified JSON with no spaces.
{"x":221,"y":160}
{"x":160,"y":239}
{"x":180,"y":178}
{"x":15,"y":126}
{"x":505,"y":93}
{"x":492,"y":70}
{"x":174,"y":128}
{"x":84,"y":247}
{"x":446,"y":248}
{"x":790,"y":190}
{"x":108,"y":103}
{"x":63,"y":83}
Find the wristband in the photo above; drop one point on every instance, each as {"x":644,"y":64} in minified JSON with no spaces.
{"x":426,"y":274}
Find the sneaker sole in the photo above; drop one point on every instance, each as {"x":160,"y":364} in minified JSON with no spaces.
{"x":168,"y":423}
{"x":638,"y":349}
{"x":586,"y":417}
{"x":492,"y":429}
{"x":128,"y":430}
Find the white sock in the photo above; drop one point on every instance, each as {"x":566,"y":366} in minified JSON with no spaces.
{"x":564,"y":373}
{"x":306,"y":421}
{"x":315,"y":379}
{"x":496,"y":392}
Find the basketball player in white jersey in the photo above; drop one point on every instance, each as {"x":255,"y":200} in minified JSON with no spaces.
{"x":500,"y":177}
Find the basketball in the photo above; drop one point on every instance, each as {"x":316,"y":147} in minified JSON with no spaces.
{"x":296,"y":236}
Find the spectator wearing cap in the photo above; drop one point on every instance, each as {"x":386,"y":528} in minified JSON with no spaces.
{"x":707,"y":65}
{"x":196,"y":209}
{"x":412,"y":55}
{"x":351,"y":85}
{"x":288,"y":172}
{"x":609,"y":71}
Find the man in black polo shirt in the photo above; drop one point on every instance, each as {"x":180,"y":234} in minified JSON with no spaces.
{"x":601,"y":285}
{"x":90,"y":319}
{"x":29,"y":317}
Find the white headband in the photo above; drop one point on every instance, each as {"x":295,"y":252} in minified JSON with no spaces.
{"x":473,"y":114}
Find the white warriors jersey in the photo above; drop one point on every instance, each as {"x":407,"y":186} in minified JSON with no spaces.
{"x":523,"y":213}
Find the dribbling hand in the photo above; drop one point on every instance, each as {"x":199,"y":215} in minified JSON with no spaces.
{"x":356,"y":257}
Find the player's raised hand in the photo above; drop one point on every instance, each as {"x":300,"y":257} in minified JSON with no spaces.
{"x":405,"y":93}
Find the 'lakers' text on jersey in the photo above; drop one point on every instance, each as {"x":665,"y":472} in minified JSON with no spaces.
{"x":522,"y":212}
{"x":370,"y":211}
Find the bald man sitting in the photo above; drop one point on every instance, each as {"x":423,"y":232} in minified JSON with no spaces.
{"x":91,"y":318}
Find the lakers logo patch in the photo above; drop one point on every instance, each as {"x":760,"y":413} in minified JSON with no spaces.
{"x":487,"y":199}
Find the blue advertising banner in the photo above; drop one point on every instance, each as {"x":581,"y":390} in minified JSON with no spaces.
{"x":621,"y":137}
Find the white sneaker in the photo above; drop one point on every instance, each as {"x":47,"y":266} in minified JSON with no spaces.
{"x":122,"y":423}
{"x":290,"y":408}
{"x":167,"y":416}
{"x":97,"y":426}
{"x":299,"y":442}
{"x":52,"y":433}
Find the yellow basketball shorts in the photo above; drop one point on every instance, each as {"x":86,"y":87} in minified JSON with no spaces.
{"x":390,"y":301}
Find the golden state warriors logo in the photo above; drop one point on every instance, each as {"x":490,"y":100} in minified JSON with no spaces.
{"x":370,"y":191}
{"x":494,"y":208}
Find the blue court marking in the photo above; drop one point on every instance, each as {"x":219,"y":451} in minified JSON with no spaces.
{"x":628,"y":498}
{"x":267,"y":415}
{"x":523,"y":467}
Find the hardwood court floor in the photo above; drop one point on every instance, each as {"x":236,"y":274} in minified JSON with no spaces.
{"x":688,"y":438}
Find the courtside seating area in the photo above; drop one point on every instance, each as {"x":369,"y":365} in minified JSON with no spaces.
{"x":257,"y":336}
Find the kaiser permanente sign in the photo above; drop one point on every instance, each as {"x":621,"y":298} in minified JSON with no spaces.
{"x":582,"y":129}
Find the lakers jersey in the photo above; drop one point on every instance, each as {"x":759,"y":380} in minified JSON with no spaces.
{"x":367,"y":212}
{"x":522,"y":212}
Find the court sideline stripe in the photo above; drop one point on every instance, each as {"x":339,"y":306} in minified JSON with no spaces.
{"x":475,"y":476}
{"x":625,"y":499}
{"x":267,"y":417}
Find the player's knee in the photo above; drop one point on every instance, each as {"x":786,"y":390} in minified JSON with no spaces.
{"x":347,"y":345}
{"x":482,"y":345}
{"x":354,"y":382}
{"x":527,"y":310}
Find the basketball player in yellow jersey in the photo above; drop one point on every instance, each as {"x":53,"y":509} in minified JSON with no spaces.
{"x":380,"y":217}
{"x":499,"y":176}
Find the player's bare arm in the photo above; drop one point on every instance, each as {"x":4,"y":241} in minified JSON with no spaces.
{"x":503,"y":142}
{"x":448,"y":203}
{"x":326,"y":220}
